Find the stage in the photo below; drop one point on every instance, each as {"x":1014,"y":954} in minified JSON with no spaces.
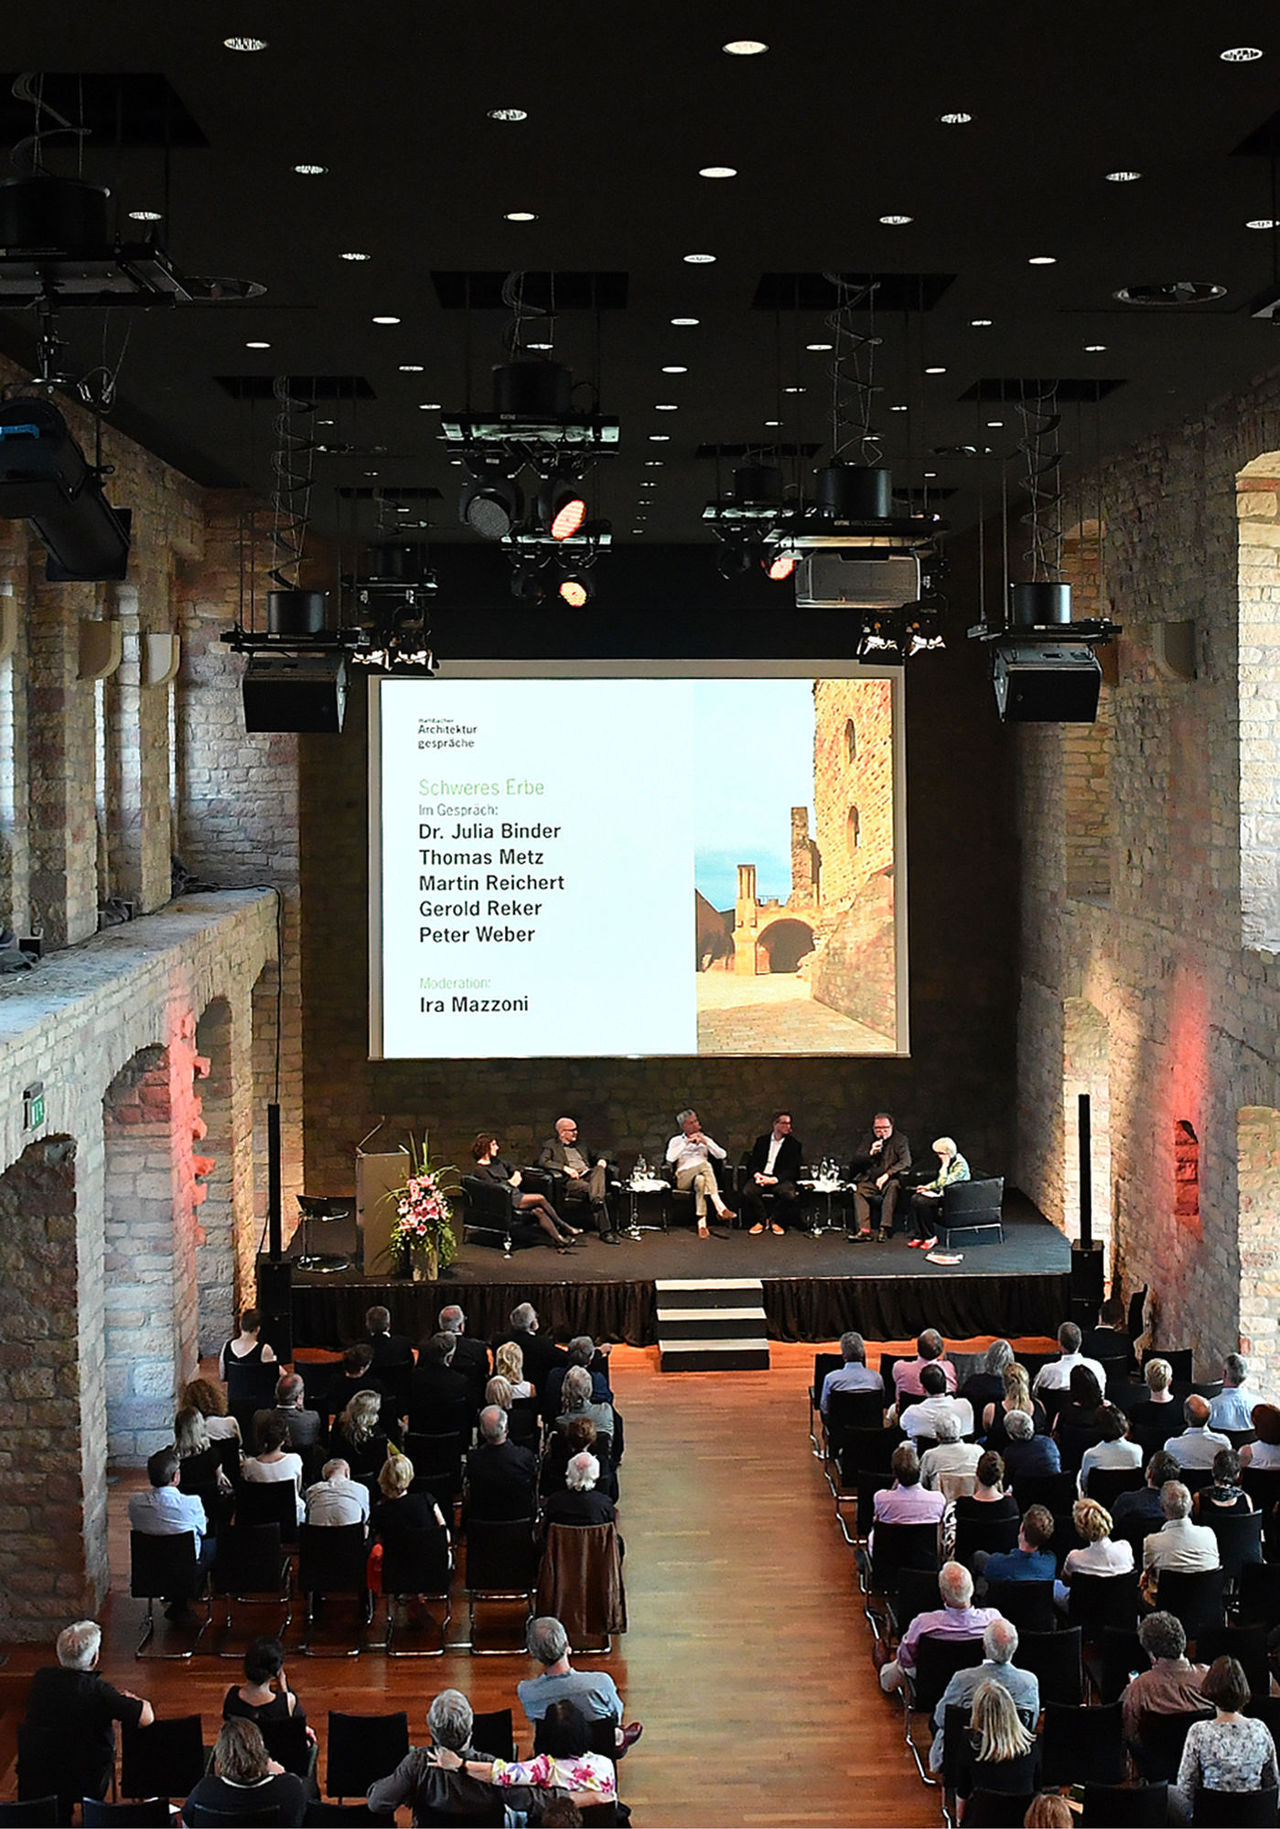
{"x":814,"y":1288}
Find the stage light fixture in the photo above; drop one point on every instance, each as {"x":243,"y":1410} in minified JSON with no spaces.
{"x":562,"y":507}
{"x":526,"y":581}
{"x":734,"y":558}
{"x":576,"y":588}
{"x":491,"y":505}
{"x":46,"y":479}
{"x":779,"y":566}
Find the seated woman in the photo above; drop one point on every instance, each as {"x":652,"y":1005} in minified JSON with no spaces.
{"x":988,"y":1501}
{"x":926,"y":1202}
{"x":1113,"y":1447}
{"x":399,"y":1510}
{"x":565,"y":1762}
{"x":1017,"y":1396}
{"x":265,"y":1695}
{"x":489,"y":1166}
{"x":211,"y":1401}
{"x":244,"y":1780}
{"x":358,"y":1438}
{"x":1225,"y":1493}
{"x":1078,"y":1426}
{"x":1100,"y":1555}
{"x":999,"y":1753}
{"x":578,"y":1502}
{"x":1154,"y":1420}
{"x":987,"y":1386}
{"x":1233,"y":1752}
{"x":508,"y":1363}
{"x":246,"y":1348}
{"x":201,"y":1465}
{"x":274,"y":1461}
{"x":580,"y":1437}
{"x":1265,"y":1452}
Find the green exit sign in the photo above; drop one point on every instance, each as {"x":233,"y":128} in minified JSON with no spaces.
{"x":33,"y":1106}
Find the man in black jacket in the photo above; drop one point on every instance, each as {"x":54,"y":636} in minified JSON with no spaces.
{"x":539,"y":1349}
{"x":773,"y":1169}
{"x":500,"y":1474}
{"x":436,"y":1794}
{"x":585,"y":1172}
{"x":878,"y":1163}
{"x":470,"y":1357}
{"x":436,"y":1390}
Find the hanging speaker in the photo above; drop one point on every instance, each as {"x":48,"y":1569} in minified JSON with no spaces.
{"x":297,"y":692}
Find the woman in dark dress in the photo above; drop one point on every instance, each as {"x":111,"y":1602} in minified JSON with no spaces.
{"x":265,"y":1695}
{"x":358,"y":1438}
{"x":1078,"y":1426}
{"x":1224,"y":1492}
{"x":399,"y":1510}
{"x":1017,"y":1396}
{"x":244,"y":1780}
{"x":491,"y":1167}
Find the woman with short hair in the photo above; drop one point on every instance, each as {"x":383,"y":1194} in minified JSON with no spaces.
{"x":1233,"y":1752}
{"x":489,"y":1166}
{"x":399,"y":1510}
{"x":246,"y":1348}
{"x":244,"y":1781}
{"x":1265,"y":1452}
{"x":926,"y":1202}
{"x":275,"y":1462}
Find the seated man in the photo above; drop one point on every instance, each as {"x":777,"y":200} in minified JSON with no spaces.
{"x":336,"y":1498}
{"x":1172,"y":1686}
{"x":471,"y":1357}
{"x":434,"y":1793}
{"x":1032,"y":1560}
{"x":1056,"y":1376}
{"x":581,"y":1350}
{"x":689,"y":1153}
{"x":72,"y":1712}
{"x":1108,"y":1340}
{"x":500,"y":1474}
{"x":586,"y":1175}
{"x":906,"y":1372}
{"x":592,"y":1691}
{"x":1178,"y":1544}
{"x":906,"y":1501}
{"x":355,"y":1373}
{"x":304,"y":1427}
{"x":1027,"y":1454}
{"x":877,"y":1168}
{"x":854,"y":1374}
{"x":1198,"y":1443}
{"x":951,"y":1467}
{"x":391,"y":1352}
{"x":921,"y":1418}
{"x":540,"y":1350}
{"x":773,"y":1170}
{"x":436,"y":1391}
{"x":999,"y":1647}
{"x":1144,"y":1502}
{"x":162,"y":1511}
{"x":957,"y":1617}
{"x":1233,"y":1407}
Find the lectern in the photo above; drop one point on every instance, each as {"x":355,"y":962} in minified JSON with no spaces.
{"x":376,"y":1175}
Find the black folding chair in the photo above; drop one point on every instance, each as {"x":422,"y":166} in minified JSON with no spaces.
{"x":1118,"y":1652}
{"x":1097,"y":1601}
{"x":333,"y":1559}
{"x":1247,"y":1644}
{"x":253,"y":1569}
{"x":165,"y":1568}
{"x":493,"y":1735}
{"x":35,"y":1813}
{"x":1239,"y":1537}
{"x":1125,"y":1807}
{"x":1193,"y":1596}
{"x":1161,"y":1737}
{"x":849,"y":1410}
{"x":269,"y":1502}
{"x":1028,"y":1604}
{"x":166,"y":1759}
{"x":822,"y":1364}
{"x":363,"y":1749}
{"x":1258,"y":1601}
{"x":417,"y":1565}
{"x":253,"y":1816}
{"x":1105,"y":1484}
{"x":937,"y":1661}
{"x":141,"y":1813}
{"x":287,"y":1743}
{"x":1082,"y":1746}
{"x":1057,"y":1659}
{"x":994,"y":1535}
{"x":502,"y":1565}
{"x":1055,"y":1491}
{"x":320,"y":1812}
{"x":1236,"y":1809}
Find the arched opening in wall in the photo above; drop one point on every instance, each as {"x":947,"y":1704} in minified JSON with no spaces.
{"x":1258,"y":698}
{"x":1086,"y":1047}
{"x":1258,"y":1202}
{"x":853,"y":832}
{"x":783,"y":945}
{"x":1086,"y":748}
{"x":850,"y":740}
{"x":215,"y":1213}
{"x":149,"y":1307}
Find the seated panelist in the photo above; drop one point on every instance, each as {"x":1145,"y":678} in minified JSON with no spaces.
{"x":689,"y":1153}
{"x":586,"y":1174}
{"x":878,"y":1164}
{"x":926,"y":1202}
{"x":489,"y":1166}
{"x":773,"y":1169}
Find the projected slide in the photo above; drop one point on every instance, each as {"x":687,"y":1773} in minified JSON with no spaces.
{"x":634,"y":866}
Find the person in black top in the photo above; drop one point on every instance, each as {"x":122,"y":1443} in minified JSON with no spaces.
{"x":987,"y":1386}
{"x":489,"y":1166}
{"x":72,"y":1712}
{"x":1144,"y":1501}
{"x":1108,"y":1340}
{"x":773,"y":1168}
{"x":265,"y":1695}
{"x":399,"y":1510}
{"x":244,"y":1781}
{"x":877,"y":1166}
{"x":580,"y":1503}
{"x":390,"y":1350}
{"x":500,"y":1474}
{"x":540,"y":1350}
{"x":354,"y":1374}
{"x":470,"y":1357}
{"x":1078,"y":1425}
{"x":438,"y":1396}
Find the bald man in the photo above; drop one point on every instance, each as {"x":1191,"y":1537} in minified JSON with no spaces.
{"x":585,"y":1175}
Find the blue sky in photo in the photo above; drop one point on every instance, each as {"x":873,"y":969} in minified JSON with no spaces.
{"x":752,"y":762}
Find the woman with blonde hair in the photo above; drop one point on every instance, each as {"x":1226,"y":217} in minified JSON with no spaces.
{"x":1000,"y":1753}
{"x":1017,"y":1396}
{"x":509,"y":1364}
{"x":1154,"y":1420}
{"x":1100,"y":1555}
{"x":358,"y":1438}
{"x":400,"y":1510}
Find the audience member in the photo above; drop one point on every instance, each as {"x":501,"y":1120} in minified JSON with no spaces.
{"x":246,"y":1348}
{"x":391,"y":1352}
{"x":539,"y":1349}
{"x":1047,"y":1810}
{"x":360,"y":1438}
{"x":354,"y":1373}
{"x":1077,"y":1427}
{"x":1109,"y":1339}
{"x":583,"y":1351}
{"x":211,"y":1401}
{"x":957,"y":1617}
{"x":500,"y":1474}
{"x":1032,"y":1560}
{"x":274,"y":1462}
{"x":1198,"y":1443}
{"x":1265,"y":1452}
{"x":854,"y":1374}
{"x":265,"y":1695}
{"x":576,"y":1399}
{"x":244,"y":1779}
{"x":1232,"y":1408}
{"x":999,"y":1648}
{"x":1100,"y":1555}
{"x":929,"y":1351}
{"x":304,"y":1427}
{"x":437,"y":1393}
{"x":1017,"y":1396}
{"x":579,"y":1503}
{"x":1224,"y":1493}
{"x":906,"y":1501}
{"x":1000,"y":1753}
{"x":1172,"y":1686}
{"x":72,"y":1712}
{"x":984,"y":1387}
{"x":564,"y":1762}
{"x":1144,"y":1502}
{"x":430,"y":1790}
{"x":399,"y":1511}
{"x":1112,"y":1449}
{"x":336,"y":1499}
{"x":1233,"y":1752}
{"x":918,"y":1419}
{"x":1056,"y":1376}
{"x":1027,"y":1454}
{"x":1150,"y":1420}
{"x":201,"y":1470}
{"x":593,"y":1691}
{"x":508,"y":1363}
{"x":1178,"y":1544}
{"x":579,"y":1438}
{"x":987,"y":1502}
{"x":162,"y":1511}
{"x":471,"y":1357}
{"x":951,"y":1466}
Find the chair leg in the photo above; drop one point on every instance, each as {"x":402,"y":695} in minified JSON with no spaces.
{"x":148,"y":1626}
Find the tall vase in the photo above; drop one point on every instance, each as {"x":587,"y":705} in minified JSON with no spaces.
{"x":425,"y":1260}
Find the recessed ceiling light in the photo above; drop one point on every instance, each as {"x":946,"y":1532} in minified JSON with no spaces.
{"x":1043,"y":260}
{"x":897,"y":409}
{"x":935,"y":371}
{"x":386,"y":320}
{"x":981,"y":323}
{"x":508,"y":114}
{"x":637,"y":530}
{"x":659,"y":438}
{"x":680,"y":323}
{"x":539,"y":345}
{"x":698,"y":260}
{"x":1094,"y":349}
{"x":428,"y":406}
{"x":674,"y":368}
{"x":896,"y":222}
{"x":994,"y":425}
{"x":717,"y":171}
{"x":665,"y":406}
{"x":1241,"y":54}
{"x":1123,"y":177}
{"x":257,"y":345}
{"x":653,"y":463}
{"x":929,"y":475}
{"x":456,"y":462}
{"x":238,"y":43}
{"x":773,"y":422}
{"x":745,"y":47}
{"x":145,"y":216}
{"x":411,"y":368}
{"x":311,"y":171}
{"x":372,"y":473}
{"x":647,"y":483}
{"x":795,"y":390}
{"x":1262,"y":222}
{"x":819,"y":345}
{"x":351,"y":254}
{"x":958,"y":118}
{"x":521,"y":216}
{"x":326,"y":422}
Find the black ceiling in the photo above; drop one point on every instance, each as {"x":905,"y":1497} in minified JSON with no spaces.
{"x":834,"y":126}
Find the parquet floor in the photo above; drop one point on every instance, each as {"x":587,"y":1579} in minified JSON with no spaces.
{"x":747,"y":1656}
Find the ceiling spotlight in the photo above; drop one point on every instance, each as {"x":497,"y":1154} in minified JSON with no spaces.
{"x":1241,"y":54}
{"x":491,"y":505}
{"x":257,"y":345}
{"x":540,"y":346}
{"x":718,"y":171}
{"x":526,"y":581}
{"x":733,"y":559}
{"x":576,"y":588}
{"x":659,"y":438}
{"x":508,"y":114}
{"x":897,"y":409}
{"x":773,"y":422}
{"x":1042,"y":260}
{"x":795,"y":390}
{"x":780,"y":566}
{"x":145,"y":216}
{"x":260,"y":44}
{"x":666,"y":406}
{"x":1094,"y":349}
{"x":957,"y":119}
{"x":648,"y":482}
{"x":816,"y":346}
{"x":1123,"y":177}
{"x":352,"y":255}
{"x":745,"y":47}
{"x":994,"y":425}
{"x":1262,"y":222}
{"x":674,"y":368}
{"x":653,"y":463}
{"x":981,"y":323}
{"x":896,"y":222}
{"x":681,"y":323}
{"x":311,"y":171}
{"x":411,"y":368}
{"x":386,"y":320}
{"x":521,"y":216}
{"x":562,"y":507}
{"x":935,"y":371}
{"x":428,"y":406}
{"x":698,"y":260}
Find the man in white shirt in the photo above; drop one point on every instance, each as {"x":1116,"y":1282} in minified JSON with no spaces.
{"x":689,"y":1153}
{"x":160,"y":1510}
{"x":1178,"y":1544}
{"x":951,"y":1468}
{"x":1056,"y":1376}
{"x":1232,"y":1408}
{"x":336,"y":1498}
{"x":1198,"y":1443}
{"x":922,"y":1418}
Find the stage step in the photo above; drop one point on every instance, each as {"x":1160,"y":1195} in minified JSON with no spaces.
{"x":716,"y":1325}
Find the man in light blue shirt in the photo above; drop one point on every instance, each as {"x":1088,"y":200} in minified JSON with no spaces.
{"x":1232,"y":1408}
{"x":593,"y":1691}
{"x":163,"y":1511}
{"x":854,"y":1374}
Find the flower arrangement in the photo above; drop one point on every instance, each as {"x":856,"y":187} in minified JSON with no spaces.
{"x":424,"y":1217}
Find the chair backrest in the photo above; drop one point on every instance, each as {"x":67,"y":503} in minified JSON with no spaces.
{"x":269,"y":1502}
{"x":493,"y":1735}
{"x":917,"y":1592}
{"x":163,"y":1760}
{"x":1055,"y":1491}
{"x":33,"y":1812}
{"x":1057,"y":1660}
{"x":870,"y":1451}
{"x":332,"y":1559}
{"x":200,"y":1816}
{"x":1082,"y":1745}
{"x":286,"y":1742}
{"x":1028,"y":1604}
{"x":161,"y":1565}
{"x":1105,"y":1484}
{"x":362,"y":1749}
{"x":502,"y":1557}
{"x":1259,"y":1598}
{"x":1239,"y":1537}
{"x":1236,"y":1809}
{"x":996,"y":1809}
{"x":417,"y":1562}
{"x":48,"y":1767}
{"x":972,"y":1203}
{"x":319,"y":1811}
{"x":902,"y":1546}
{"x":937,"y":1661}
{"x":822,"y":1364}
{"x":1125,"y":1807}
{"x":146,"y":1813}
{"x":1195,"y":1596}
{"x":1247,"y":1644}
{"x":981,"y":1533}
{"x":487,"y":1201}
{"x":1095,"y":1601}
{"x":848,"y":1410}
{"x":1119,"y":1653}
{"x":1180,"y":1358}
{"x":1161,"y":1737}
{"x":250,"y":1560}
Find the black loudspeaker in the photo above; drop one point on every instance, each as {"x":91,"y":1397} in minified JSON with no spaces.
{"x":1087,"y":1277}
{"x":302,"y":692}
{"x":275,"y":1302}
{"x":1046,"y":685}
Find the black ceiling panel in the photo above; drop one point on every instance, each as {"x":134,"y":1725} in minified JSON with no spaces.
{"x":301,"y":387}
{"x":818,"y":291}
{"x":550,"y":292}
{"x":135,"y":110}
{"x":1009,"y":390}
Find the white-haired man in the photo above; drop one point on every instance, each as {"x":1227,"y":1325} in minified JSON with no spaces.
{"x":951,"y":1466}
{"x":999,"y":1647}
{"x":1179,"y":1544}
{"x":471,"y":1357}
{"x":690,"y":1153}
{"x":436,"y":1794}
{"x":71,"y":1716}
{"x":956,"y":1618}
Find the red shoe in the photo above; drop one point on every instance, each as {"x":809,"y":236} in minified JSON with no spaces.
{"x":914,"y":1244}
{"x":928,"y":1244}
{"x":631,"y":1734}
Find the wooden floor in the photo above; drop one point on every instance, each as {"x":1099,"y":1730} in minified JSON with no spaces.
{"x":747,"y":1657}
